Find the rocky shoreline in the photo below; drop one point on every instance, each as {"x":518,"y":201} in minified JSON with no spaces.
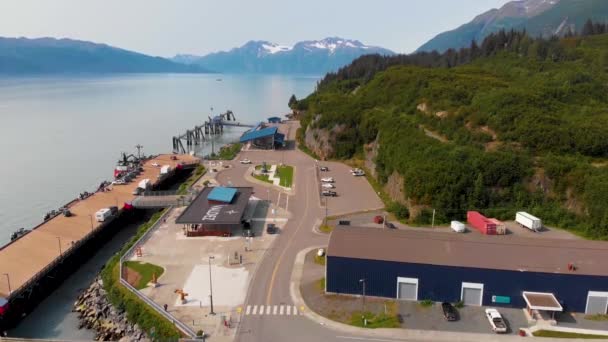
{"x":95,"y":312}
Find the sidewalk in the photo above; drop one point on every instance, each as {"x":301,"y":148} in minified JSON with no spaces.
{"x":406,"y":334}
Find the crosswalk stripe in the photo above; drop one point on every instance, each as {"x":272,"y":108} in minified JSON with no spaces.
{"x":268,"y":310}
{"x":281,"y":310}
{"x":255,"y":310}
{"x":248,"y":310}
{"x":289,"y":310}
{"x":261,"y":309}
{"x":274,"y":310}
{"x":295,"y":310}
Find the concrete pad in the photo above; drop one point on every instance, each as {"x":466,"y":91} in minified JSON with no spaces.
{"x":229,"y":286}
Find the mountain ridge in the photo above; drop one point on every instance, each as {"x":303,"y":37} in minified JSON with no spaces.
{"x":47,"y":55}
{"x":262,"y":56}
{"x":538,"y":17}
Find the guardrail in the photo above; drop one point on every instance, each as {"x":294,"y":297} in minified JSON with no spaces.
{"x":181,"y":326}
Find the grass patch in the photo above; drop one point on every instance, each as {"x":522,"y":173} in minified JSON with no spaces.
{"x":227,"y":152}
{"x":137,"y":311}
{"x":426,"y":303}
{"x":325,"y":228}
{"x":320,"y":259}
{"x":374,"y":321}
{"x":145,"y":270}
{"x":285,"y":173}
{"x":320,"y":284}
{"x":263,"y":178}
{"x":563,"y":334}
{"x":597,"y":317}
{"x":194,"y":177}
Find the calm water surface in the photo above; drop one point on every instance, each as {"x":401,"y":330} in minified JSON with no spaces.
{"x":60,"y":136}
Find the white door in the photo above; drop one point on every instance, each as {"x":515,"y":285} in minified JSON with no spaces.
{"x":407,"y":288}
{"x":597,"y":303}
{"x":472,"y":294}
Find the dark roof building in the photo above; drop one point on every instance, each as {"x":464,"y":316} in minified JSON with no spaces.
{"x":217,"y":209}
{"x":480,"y":270}
{"x":274,"y":119}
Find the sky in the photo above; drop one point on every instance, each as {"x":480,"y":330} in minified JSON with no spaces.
{"x":165,"y":28}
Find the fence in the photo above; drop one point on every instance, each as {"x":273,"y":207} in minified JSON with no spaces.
{"x":181,"y":326}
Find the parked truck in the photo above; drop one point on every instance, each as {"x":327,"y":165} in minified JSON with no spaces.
{"x":103,"y":214}
{"x":526,"y":220}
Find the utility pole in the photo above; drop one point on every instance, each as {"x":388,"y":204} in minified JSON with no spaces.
{"x":8,"y":281}
{"x":326,"y":204}
{"x":433,"y":221}
{"x":139,"y":148}
{"x":91,"y":219}
{"x":362,"y":281}
{"x":210,"y":286}
{"x":59,"y":241}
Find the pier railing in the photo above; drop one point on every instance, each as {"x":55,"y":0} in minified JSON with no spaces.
{"x":181,"y":326}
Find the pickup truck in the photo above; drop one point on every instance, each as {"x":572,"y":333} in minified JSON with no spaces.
{"x":496,"y":321}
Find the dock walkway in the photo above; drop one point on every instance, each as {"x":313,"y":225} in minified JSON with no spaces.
{"x":23,"y":259}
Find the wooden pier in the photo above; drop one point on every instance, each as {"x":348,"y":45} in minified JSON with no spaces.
{"x":25,"y":260}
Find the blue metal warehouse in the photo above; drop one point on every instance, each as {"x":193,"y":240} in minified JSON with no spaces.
{"x":479,"y":270}
{"x":267,"y":138}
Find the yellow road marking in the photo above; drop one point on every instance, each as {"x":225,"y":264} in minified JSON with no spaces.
{"x":276,"y":267}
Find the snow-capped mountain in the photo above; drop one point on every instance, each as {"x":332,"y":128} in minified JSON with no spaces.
{"x":309,"y":57}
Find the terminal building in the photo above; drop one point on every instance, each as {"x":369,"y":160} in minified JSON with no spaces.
{"x":218,"y":211}
{"x":538,"y":274}
{"x":267,"y":138}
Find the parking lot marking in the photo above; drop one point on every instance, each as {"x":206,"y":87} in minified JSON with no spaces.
{"x":281,"y":310}
{"x":295,"y":310}
{"x":261,"y":309}
{"x":274,"y":310}
{"x":255,"y":310}
{"x":248,"y":310}
{"x":288,"y":310}
{"x":287,"y":204}
{"x":268,"y":309}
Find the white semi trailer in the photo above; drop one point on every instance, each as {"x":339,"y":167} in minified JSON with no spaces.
{"x":526,"y":220}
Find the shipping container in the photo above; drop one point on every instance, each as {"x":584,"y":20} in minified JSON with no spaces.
{"x":481,"y":223}
{"x":103,"y":214}
{"x":531,"y":222}
{"x":165,"y":169}
{"x":144,"y":183}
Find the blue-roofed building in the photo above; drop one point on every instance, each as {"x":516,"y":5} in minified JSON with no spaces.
{"x":274,"y":120}
{"x":265,"y":138}
{"x":222,"y":194}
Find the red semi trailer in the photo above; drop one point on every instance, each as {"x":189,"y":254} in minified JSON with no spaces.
{"x":481,"y":223}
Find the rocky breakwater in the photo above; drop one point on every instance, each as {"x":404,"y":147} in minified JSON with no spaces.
{"x":97,"y":313}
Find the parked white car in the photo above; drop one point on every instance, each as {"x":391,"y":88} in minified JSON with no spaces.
{"x":327,"y":180}
{"x":119,"y":181}
{"x":327,"y":186}
{"x":245,"y":161}
{"x":357,"y":172}
{"x":496,"y":321}
{"x":156,"y":164}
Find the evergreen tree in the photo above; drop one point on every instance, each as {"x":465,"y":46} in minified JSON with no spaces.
{"x":292,"y":101}
{"x":588,"y":28}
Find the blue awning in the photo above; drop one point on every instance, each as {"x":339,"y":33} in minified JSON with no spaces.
{"x":222,"y":194}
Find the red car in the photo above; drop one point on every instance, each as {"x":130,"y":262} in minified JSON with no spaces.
{"x":378,"y":219}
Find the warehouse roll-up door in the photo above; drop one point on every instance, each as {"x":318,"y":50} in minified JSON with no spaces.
{"x":407,"y":288}
{"x":597,"y":303}
{"x":472,"y":293}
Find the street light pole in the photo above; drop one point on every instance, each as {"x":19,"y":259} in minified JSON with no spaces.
{"x":362,"y":281}
{"x":210,"y":286}
{"x":91,"y":219}
{"x":8,"y":280}
{"x":59,"y":242}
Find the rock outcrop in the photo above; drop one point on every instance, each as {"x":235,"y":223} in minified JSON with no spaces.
{"x":98,"y":314}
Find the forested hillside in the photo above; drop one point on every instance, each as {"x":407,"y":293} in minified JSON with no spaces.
{"x":513,"y":124}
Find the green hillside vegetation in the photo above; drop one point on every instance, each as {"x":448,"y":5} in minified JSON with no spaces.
{"x":523,"y":125}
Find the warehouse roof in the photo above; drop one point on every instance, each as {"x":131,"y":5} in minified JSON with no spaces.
{"x":471,"y":250}
{"x":202,"y":211}
{"x":260,"y":133}
{"x":222,"y":194}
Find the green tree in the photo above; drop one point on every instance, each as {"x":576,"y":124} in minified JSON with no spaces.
{"x":293,"y":101}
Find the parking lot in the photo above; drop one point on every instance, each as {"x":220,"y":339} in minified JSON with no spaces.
{"x":354,"y":194}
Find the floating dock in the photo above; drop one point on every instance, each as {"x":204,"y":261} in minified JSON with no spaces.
{"x":27,"y":263}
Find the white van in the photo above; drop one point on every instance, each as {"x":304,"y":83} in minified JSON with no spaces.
{"x":457,"y":226}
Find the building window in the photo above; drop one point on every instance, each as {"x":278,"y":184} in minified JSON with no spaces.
{"x":407,"y":288}
{"x":472,"y":294}
{"x":597,"y":303}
